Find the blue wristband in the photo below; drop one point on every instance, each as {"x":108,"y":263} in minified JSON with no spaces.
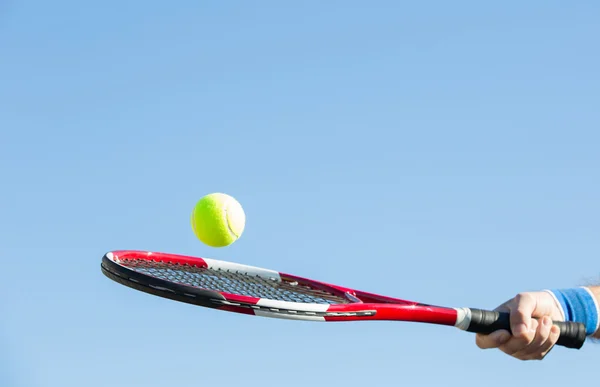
{"x":579,"y":305}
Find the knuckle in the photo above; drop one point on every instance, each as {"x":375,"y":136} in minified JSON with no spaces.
{"x":512,"y":349}
{"x":524,"y":299}
{"x":525,"y":339}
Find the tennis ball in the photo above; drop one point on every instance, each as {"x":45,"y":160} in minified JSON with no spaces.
{"x":218,"y":220}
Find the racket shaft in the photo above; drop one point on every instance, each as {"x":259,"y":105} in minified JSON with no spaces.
{"x":394,"y":312}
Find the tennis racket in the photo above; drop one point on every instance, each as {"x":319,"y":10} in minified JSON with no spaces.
{"x":234,"y":287}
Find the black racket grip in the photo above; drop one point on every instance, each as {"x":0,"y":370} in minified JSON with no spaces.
{"x":572,"y":334}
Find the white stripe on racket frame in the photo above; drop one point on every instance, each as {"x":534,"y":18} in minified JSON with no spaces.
{"x":242,"y":269}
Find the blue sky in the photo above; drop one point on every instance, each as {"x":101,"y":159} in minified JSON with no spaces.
{"x":443,"y":152}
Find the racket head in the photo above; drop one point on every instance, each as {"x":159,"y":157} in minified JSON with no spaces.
{"x":229,"y":286}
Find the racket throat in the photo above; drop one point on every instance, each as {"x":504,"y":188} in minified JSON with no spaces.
{"x":463,"y":318}
{"x":353,"y":298}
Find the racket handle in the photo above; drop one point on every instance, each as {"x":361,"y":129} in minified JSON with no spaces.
{"x":572,"y":334}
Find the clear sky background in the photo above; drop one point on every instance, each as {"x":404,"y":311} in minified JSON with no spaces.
{"x":446,"y":152}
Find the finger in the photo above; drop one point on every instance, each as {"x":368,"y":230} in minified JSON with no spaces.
{"x":521,"y":311}
{"x":551,"y":342}
{"x":497,"y":338}
{"x":492,"y":340}
{"x":535,"y":350}
{"x":518,"y":343}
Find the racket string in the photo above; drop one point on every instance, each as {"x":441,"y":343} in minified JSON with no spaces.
{"x":233,"y":282}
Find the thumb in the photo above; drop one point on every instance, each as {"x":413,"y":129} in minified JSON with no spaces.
{"x":493,"y":340}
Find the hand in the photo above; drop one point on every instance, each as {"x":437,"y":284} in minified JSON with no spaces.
{"x":531,"y":338}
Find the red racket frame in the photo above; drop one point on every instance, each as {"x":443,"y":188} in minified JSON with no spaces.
{"x":361,"y":306}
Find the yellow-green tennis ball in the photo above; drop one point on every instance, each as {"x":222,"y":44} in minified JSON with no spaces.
{"x":218,"y":220}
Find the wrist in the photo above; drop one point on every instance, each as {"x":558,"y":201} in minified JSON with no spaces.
{"x":580,"y":304}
